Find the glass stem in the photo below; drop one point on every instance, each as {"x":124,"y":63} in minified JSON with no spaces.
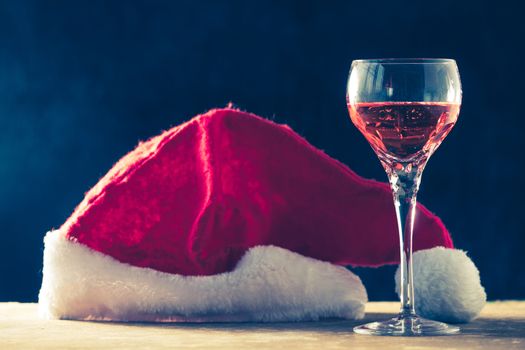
{"x":404,"y":180}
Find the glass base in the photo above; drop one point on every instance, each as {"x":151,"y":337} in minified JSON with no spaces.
{"x":407,"y":326}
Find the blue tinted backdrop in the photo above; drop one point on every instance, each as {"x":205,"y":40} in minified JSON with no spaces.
{"x":81,"y":82}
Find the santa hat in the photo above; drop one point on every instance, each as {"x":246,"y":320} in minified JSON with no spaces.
{"x":231,"y":217}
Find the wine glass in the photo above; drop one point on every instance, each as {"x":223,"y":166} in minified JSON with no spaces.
{"x":404,"y":108}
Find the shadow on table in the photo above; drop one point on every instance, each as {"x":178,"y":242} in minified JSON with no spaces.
{"x":325,"y":325}
{"x":484,"y":327}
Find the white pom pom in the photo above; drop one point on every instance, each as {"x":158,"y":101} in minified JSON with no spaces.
{"x":447,"y":285}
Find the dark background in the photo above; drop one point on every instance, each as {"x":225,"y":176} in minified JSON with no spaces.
{"x":81,"y":82}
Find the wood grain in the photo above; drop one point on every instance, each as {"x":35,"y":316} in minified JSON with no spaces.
{"x":500,"y":326}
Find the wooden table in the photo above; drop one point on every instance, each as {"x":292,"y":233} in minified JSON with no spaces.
{"x":500,"y":326}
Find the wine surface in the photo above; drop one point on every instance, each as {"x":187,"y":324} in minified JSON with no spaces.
{"x":404,"y":130}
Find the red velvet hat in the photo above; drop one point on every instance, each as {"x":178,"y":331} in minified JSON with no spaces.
{"x":232,"y":217}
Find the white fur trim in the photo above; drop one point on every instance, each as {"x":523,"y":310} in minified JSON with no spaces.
{"x":268,"y":284}
{"x":447,"y":285}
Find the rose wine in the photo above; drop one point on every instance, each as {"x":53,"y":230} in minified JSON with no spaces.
{"x":404,"y":131}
